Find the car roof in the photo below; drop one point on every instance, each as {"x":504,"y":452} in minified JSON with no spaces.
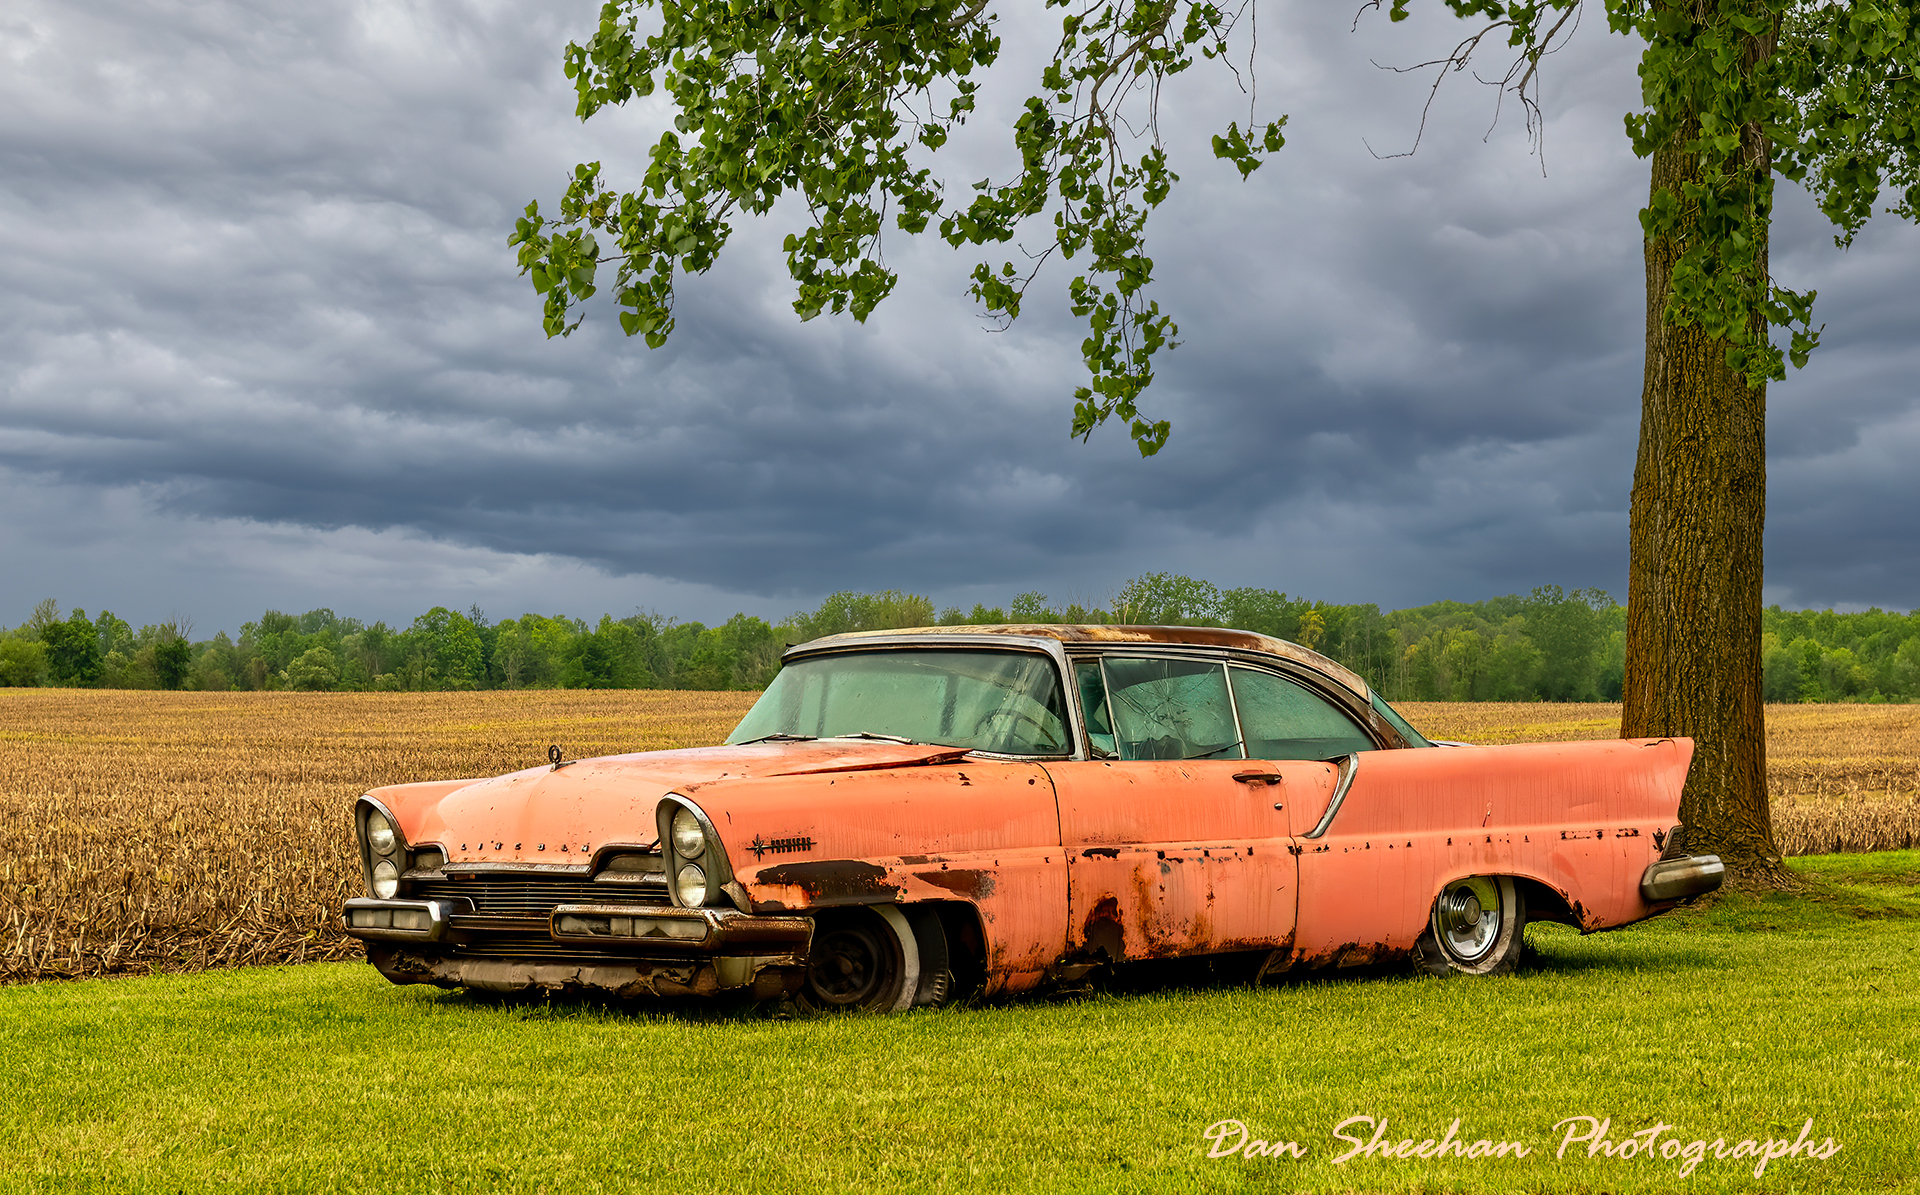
{"x":1076,"y":633}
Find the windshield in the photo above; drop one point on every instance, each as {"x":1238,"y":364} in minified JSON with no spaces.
{"x":1005,"y":701}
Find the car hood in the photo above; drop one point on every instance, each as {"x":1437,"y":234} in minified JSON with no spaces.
{"x":560,"y":816}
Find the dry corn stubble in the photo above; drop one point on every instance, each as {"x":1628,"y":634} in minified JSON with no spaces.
{"x":168,"y":831}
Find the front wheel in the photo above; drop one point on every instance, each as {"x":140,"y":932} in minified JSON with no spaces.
{"x":862,"y":958}
{"x":1477,"y":928}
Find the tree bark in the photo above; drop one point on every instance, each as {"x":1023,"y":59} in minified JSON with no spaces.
{"x":1693,"y":665}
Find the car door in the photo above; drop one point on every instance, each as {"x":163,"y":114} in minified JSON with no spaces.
{"x":1365,"y":862}
{"x":1175,"y":843}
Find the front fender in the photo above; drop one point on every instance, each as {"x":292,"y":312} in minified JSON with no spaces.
{"x":412,"y":804}
{"x":983,"y":833}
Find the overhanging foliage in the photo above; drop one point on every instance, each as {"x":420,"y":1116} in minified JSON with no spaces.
{"x":843,"y":105}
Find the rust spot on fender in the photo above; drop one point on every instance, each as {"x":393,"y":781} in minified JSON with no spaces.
{"x":1202,"y":935}
{"x":1101,"y":852}
{"x":976,"y":885}
{"x":1103,"y":933}
{"x":1155,"y":939}
{"x":832,"y":880}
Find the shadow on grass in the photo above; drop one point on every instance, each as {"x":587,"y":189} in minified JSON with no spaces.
{"x":1564,"y":954}
{"x":1557,"y":950}
{"x":1835,"y":899}
{"x":1822,"y":906}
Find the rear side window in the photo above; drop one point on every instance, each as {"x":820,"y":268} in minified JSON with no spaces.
{"x":1414,"y":738}
{"x":1283,"y":720}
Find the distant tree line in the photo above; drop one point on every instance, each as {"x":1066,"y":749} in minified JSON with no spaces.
{"x":1548,"y":646}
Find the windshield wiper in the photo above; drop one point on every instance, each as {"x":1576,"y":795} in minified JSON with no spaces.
{"x":868,"y":734}
{"x":778,"y":737}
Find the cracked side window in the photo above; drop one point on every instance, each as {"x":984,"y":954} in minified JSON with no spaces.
{"x":1171,"y":709}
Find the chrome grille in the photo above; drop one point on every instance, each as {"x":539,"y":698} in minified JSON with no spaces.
{"x":536,"y":896}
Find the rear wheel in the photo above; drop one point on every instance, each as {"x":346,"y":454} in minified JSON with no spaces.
{"x":1477,"y":928}
{"x":862,"y":958}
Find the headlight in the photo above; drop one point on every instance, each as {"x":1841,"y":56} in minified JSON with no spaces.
{"x":380,"y":834}
{"x":688,"y":838}
{"x":386,"y":879}
{"x":690,"y":886}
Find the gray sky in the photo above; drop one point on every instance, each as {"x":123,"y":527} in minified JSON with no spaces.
{"x":262,"y":344}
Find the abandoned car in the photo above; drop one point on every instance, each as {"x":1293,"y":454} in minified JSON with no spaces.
{"x":904,"y":816}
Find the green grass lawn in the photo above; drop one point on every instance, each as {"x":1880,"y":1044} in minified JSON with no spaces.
{"x":1741,"y":1021}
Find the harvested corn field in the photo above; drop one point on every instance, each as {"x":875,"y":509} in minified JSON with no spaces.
{"x":1844,"y":777}
{"x":150,"y":831}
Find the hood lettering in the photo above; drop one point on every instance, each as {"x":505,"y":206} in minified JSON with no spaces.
{"x":762,"y":847}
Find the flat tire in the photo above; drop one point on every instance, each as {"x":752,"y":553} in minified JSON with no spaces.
{"x":1477,"y":927}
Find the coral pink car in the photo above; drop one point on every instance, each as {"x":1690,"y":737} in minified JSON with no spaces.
{"x":909,"y":815}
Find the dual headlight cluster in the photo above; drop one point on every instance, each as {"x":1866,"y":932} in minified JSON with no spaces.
{"x":689,"y":864}
{"x":387,"y":855}
{"x":689,"y":839}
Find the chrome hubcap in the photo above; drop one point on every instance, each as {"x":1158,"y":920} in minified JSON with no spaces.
{"x":1466,"y":919}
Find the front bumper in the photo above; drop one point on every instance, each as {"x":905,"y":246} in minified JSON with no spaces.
{"x":1677,"y":879}
{"x":616,"y":949}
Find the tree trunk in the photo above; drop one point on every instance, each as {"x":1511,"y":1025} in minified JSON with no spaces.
{"x":1693,"y":663}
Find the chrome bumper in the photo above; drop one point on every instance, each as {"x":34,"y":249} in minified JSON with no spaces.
{"x":1677,"y":879}
{"x":398,"y":920}
{"x":760,"y":977}
{"x":637,"y":929}
{"x":612,"y":949}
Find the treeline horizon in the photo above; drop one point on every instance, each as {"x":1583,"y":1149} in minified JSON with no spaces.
{"x":1551,"y":645}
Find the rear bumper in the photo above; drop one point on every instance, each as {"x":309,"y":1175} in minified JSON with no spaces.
{"x":613,"y":949}
{"x":1677,"y":879}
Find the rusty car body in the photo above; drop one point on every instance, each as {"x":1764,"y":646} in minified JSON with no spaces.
{"x":906,"y":815}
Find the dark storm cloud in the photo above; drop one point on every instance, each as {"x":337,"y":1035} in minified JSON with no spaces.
{"x":258,"y":293}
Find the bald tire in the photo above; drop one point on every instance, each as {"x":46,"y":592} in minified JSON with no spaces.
{"x":864,"y":958}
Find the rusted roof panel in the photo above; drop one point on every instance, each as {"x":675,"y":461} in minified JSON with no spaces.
{"x":1178,"y":636}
